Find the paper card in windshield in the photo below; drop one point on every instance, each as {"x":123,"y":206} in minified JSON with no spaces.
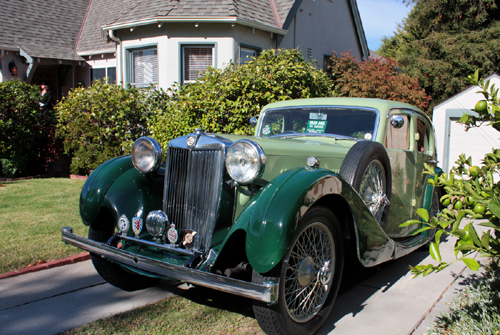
{"x":316,"y":126}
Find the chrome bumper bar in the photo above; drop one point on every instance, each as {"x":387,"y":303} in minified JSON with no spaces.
{"x":267,"y":292}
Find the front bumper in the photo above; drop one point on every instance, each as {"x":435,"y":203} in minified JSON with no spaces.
{"x":267,"y":292}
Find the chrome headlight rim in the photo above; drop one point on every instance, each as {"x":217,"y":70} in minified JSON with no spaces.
{"x":155,"y":155}
{"x":258,"y":154}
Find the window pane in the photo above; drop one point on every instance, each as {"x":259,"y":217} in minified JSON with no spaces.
{"x":196,"y":61}
{"x":112,"y":75}
{"x":145,"y":67}
{"x":97,"y":74}
{"x":423,"y":136}
{"x":246,"y":55}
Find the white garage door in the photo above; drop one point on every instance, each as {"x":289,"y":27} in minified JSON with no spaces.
{"x":475,"y":143}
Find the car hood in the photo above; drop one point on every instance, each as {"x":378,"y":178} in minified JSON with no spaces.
{"x":285,"y":153}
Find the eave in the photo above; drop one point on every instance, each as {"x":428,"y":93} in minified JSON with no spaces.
{"x":201,"y":19}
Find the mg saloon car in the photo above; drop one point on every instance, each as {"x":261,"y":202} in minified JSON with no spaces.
{"x":270,"y":217}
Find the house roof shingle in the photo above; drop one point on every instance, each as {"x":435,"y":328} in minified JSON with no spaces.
{"x":119,"y":12}
{"x":43,"y":29}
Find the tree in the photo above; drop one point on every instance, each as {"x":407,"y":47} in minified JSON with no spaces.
{"x":376,"y":78}
{"x":26,"y":134}
{"x":442,"y":41}
{"x":471,"y":193}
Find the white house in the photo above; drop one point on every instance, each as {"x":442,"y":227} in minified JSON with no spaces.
{"x":451,"y":137}
{"x":160,"y":42}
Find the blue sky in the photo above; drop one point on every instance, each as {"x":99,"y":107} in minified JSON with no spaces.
{"x":380,"y":18}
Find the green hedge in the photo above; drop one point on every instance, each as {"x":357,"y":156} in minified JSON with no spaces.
{"x":101,"y":122}
{"x":26,"y":134}
{"x":223,"y":100}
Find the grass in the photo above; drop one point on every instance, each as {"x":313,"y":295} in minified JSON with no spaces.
{"x":476,"y":309}
{"x":32,"y":213}
{"x":196,"y":311}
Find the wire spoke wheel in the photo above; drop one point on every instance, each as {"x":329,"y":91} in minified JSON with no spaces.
{"x":309,"y":272}
{"x":372,"y":188}
{"x":309,"y":277}
{"x":367,"y":168}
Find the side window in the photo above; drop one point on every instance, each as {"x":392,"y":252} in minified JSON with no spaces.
{"x":422,"y":136}
{"x":143,"y":67}
{"x":195,"y":61}
{"x":246,"y":54}
{"x":398,"y":135}
{"x":103,"y":74}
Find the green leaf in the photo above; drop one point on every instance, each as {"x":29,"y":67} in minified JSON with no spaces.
{"x":490,"y":225}
{"x":494,"y":207}
{"x":434,"y":252}
{"x":473,"y":234}
{"x":485,"y":240}
{"x":410,"y":223}
{"x":471,"y":263}
{"x":423,"y":213}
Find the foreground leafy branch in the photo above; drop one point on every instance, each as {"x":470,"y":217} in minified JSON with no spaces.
{"x":472,"y":196}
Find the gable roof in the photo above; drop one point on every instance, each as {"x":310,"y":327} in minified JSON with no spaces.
{"x":466,"y":90}
{"x":42,"y":29}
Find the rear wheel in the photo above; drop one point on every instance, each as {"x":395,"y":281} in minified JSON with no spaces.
{"x":309,"y":277}
{"x":113,"y":273}
{"x":367,"y":168}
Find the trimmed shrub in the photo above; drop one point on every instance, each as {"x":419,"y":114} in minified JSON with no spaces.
{"x":26,"y":134}
{"x":101,"y":122}
{"x":223,"y":100}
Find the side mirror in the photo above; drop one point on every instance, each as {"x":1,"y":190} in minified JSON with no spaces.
{"x":397,"y":121}
{"x":253,"y":122}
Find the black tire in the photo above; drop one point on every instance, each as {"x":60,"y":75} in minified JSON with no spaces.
{"x":112,"y":272}
{"x":366,"y":165}
{"x":299,"y":270}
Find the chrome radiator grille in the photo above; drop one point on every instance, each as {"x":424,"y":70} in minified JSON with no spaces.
{"x":193,"y":185}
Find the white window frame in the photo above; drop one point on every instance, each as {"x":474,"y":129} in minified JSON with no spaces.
{"x":149,"y":78}
{"x":183,"y":59}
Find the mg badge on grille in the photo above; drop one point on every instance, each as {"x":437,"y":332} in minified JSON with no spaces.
{"x":172,"y":234}
{"x":137,"y":226}
{"x":123,"y":224}
{"x":190,"y":141}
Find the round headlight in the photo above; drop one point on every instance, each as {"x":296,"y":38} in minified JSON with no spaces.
{"x":147,"y":155}
{"x":245,"y":161}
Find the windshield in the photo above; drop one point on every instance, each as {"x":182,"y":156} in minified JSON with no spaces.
{"x":343,"y":121}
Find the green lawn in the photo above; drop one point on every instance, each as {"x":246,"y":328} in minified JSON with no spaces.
{"x":196,"y":311}
{"x":32,"y":213}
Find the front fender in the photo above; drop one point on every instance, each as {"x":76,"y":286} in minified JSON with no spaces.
{"x":272,"y":216}
{"x":109,"y":185}
{"x":279,"y":210}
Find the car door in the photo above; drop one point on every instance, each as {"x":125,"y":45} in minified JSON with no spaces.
{"x":400,"y":146}
{"x":424,"y":154}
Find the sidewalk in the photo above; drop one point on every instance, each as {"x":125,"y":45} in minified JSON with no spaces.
{"x":393,"y":302}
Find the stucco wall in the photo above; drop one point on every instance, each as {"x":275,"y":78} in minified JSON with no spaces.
{"x":170,"y":38}
{"x":451,"y":137}
{"x":321,"y":26}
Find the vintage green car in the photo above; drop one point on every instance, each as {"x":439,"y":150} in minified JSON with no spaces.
{"x":271,"y":217}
